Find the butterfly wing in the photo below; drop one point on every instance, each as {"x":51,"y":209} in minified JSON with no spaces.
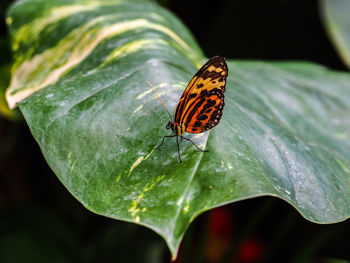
{"x":206,"y":112}
{"x":201,"y":104}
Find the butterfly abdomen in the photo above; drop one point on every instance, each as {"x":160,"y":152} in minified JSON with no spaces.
{"x":176,"y":128}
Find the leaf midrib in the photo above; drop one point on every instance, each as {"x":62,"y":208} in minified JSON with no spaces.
{"x":185,"y":192}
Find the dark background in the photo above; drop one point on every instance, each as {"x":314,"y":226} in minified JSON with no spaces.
{"x":264,"y":29}
{"x":41,"y":222}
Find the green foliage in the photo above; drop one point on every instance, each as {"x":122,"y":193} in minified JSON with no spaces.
{"x":80,"y":81}
{"x":5,"y":75}
{"x":4,"y":81}
{"x":335,"y":15}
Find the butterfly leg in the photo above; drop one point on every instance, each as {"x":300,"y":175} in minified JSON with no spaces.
{"x":178,"y":147}
{"x":194,"y":144}
{"x":167,"y":136}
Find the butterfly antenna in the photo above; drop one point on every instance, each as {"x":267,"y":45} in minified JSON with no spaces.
{"x":159,"y":99}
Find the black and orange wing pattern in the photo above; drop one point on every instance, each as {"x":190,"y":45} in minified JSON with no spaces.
{"x":201,"y":105}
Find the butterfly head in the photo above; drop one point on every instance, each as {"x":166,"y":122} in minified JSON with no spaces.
{"x":175,"y":127}
{"x":170,"y":125}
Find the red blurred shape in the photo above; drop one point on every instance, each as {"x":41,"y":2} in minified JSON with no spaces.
{"x":251,"y":251}
{"x":221,"y":223}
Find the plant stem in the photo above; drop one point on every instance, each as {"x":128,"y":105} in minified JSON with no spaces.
{"x":254,"y":220}
{"x":186,"y":252}
{"x":281,"y":232}
{"x":203,"y":241}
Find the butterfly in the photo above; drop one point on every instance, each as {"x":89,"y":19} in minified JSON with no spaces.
{"x":201,"y":105}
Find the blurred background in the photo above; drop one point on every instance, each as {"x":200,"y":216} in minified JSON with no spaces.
{"x":41,"y":222}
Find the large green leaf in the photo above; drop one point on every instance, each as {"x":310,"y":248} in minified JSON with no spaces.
{"x":285,"y":129}
{"x":5,"y":75}
{"x":335,"y":14}
{"x":4,"y":81}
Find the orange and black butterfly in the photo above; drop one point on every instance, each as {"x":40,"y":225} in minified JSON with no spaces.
{"x":201,"y":105}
